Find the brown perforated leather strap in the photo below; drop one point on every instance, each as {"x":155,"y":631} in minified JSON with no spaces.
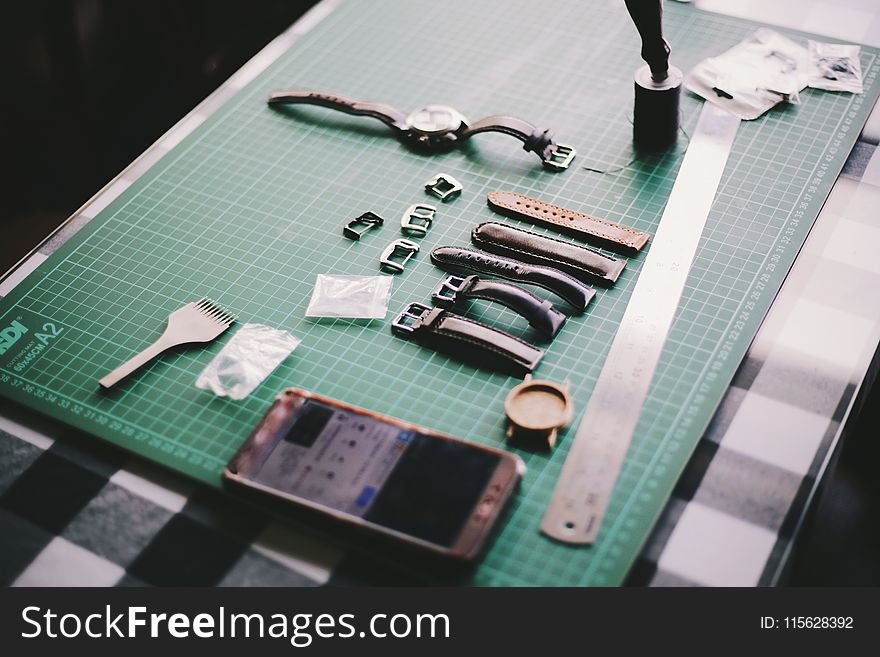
{"x":611,"y":235}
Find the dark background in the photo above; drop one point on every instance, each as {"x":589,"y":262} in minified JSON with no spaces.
{"x":89,"y":84}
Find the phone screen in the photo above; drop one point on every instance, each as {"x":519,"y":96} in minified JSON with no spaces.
{"x":419,"y":484}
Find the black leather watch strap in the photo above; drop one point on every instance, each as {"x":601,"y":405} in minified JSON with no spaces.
{"x":585,"y":264}
{"x":390,"y":116}
{"x":540,"y":313}
{"x":463,"y":338}
{"x":458,"y":259}
{"x":533,"y":138}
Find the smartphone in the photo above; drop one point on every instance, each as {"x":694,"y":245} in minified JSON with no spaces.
{"x":404,"y":481}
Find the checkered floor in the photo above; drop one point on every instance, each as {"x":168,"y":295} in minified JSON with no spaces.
{"x":131,"y":524}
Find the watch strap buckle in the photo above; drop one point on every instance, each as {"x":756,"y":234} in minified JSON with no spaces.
{"x":559,"y":157}
{"x":418,"y":219}
{"x":446,"y":293}
{"x":444,"y":187}
{"x":408,"y":320}
{"x":360,"y":225}
{"x":400,"y":248}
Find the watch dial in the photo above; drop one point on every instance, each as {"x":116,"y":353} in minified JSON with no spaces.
{"x":435,"y":119}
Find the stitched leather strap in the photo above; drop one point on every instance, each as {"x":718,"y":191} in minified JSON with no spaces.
{"x":458,"y":259}
{"x":585,"y":264}
{"x":540,"y":313}
{"x":534,"y":139}
{"x":475,"y":343}
{"x":385,"y":113}
{"x":613,"y":236}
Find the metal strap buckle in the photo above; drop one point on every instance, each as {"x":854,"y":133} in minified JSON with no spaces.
{"x":449,"y":287}
{"x":560,"y":157}
{"x":407,"y":321}
{"x":367,"y":221}
{"x":401,"y":248}
{"x":444,"y":187}
{"x":419,"y":212}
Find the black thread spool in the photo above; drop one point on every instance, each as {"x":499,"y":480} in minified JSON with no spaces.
{"x":656,"y":110}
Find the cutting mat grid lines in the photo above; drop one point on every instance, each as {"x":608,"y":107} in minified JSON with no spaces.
{"x":249,"y":208}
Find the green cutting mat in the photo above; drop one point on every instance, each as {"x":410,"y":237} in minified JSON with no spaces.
{"x":250,"y":207}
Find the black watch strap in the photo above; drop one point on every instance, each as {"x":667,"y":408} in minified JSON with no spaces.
{"x":456,"y":259}
{"x":390,"y":116}
{"x":554,"y":156}
{"x":540,"y":313}
{"x":585,"y":264}
{"x":477,"y":344}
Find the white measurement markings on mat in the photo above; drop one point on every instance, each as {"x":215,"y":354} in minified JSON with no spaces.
{"x":590,"y":471}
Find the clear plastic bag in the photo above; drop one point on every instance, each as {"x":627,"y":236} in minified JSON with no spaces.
{"x":753,"y":76}
{"x":246,"y":360}
{"x":835,"y":67}
{"x":354,"y":297}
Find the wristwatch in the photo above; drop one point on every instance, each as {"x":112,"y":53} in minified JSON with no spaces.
{"x":437,"y":128}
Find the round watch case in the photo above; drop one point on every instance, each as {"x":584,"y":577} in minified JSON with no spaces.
{"x":537,"y":409}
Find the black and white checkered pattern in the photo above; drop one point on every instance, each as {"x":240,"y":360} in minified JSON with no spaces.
{"x":74,"y":512}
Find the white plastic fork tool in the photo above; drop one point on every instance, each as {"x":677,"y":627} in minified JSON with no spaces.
{"x":198,"y":321}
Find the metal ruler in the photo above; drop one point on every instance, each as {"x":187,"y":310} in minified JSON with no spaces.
{"x":603,"y":436}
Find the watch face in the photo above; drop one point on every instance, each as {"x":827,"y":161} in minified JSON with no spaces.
{"x":435,"y":119}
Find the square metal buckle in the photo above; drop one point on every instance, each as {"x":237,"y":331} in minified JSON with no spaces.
{"x":367,"y":221}
{"x":407,"y":321}
{"x":419,"y":212}
{"x":401,"y":248}
{"x":449,"y":287}
{"x":560,"y":157}
{"x":444,"y":187}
